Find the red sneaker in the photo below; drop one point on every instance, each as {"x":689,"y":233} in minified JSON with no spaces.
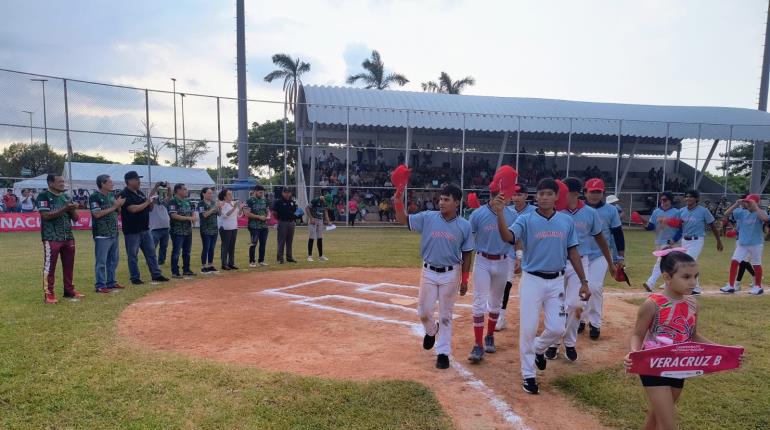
{"x":103,"y":290}
{"x":118,"y":286}
{"x":50,"y":299}
{"x":75,"y":295}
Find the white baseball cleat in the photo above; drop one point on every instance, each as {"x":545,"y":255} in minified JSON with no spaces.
{"x":737,"y":285}
{"x":756,"y":290}
{"x":309,"y":258}
{"x":501,"y":323}
{"x":322,"y":258}
{"x":697,"y":290}
{"x":252,"y":264}
{"x":263,"y":264}
{"x":727,"y":289}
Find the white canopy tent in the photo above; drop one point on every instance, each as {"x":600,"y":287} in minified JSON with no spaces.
{"x":36,"y":183}
{"x":84,"y":175}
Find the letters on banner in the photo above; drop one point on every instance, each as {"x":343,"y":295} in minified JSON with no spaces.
{"x":685,"y":360}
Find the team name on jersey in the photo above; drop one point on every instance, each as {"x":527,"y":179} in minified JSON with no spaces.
{"x":550,"y":233}
{"x":443,"y":235}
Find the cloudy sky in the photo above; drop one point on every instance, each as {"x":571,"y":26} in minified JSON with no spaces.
{"x":684,"y":52}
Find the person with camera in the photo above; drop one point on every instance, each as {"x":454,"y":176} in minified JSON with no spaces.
{"x":182,"y":218}
{"x":135,"y":215}
{"x":160,"y":223}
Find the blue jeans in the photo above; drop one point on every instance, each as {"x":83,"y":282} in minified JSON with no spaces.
{"x":258,"y":238}
{"x":134,"y":242}
{"x":209,"y":244}
{"x":160,"y":236}
{"x":180,"y":244}
{"x":107,"y":254}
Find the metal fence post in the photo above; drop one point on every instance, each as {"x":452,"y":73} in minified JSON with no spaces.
{"x":620,"y":155}
{"x":462,"y":171}
{"x":149,"y":139}
{"x":569,"y":147}
{"x":219,"y":142}
{"x":665,"y":158}
{"x":697,"y":156}
{"x":727,"y":159}
{"x":347,"y":167}
{"x":69,"y":140}
{"x":285,"y":146}
{"x":518,"y":141}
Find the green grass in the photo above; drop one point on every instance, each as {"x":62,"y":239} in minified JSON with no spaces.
{"x":64,"y":367}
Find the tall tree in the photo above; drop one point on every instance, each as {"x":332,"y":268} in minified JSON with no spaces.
{"x":156,"y":145}
{"x":374,"y":75}
{"x":290,"y":70}
{"x":37,"y":157}
{"x":741,"y":156}
{"x":140,"y":157}
{"x":446,"y":85}
{"x":79,"y":157}
{"x":266,"y":148}
{"x":194,"y":151}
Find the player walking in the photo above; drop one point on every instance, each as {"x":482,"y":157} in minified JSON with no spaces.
{"x":750,"y":220}
{"x":612,"y":230}
{"x":695,"y":218}
{"x":595,"y":258}
{"x":548,"y":239}
{"x":445,"y":244}
{"x":490,"y":273}
{"x":666,"y":235}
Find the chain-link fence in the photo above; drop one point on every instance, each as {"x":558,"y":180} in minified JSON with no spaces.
{"x":349,"y":150}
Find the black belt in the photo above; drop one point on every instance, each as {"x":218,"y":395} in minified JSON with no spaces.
{"x":547,"y":275}
{"x":438,"y":269}
{"x":691,"y":238}
{"x":492,"y":256}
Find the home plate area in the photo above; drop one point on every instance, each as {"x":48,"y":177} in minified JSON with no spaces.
{"x":387,"y":303}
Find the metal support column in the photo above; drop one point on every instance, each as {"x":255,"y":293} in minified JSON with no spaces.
{"x":665,"y":158}
{"x":569,"y":147}
{"x":149,"y":138}
{"x":620,"y":155}
{"x":462,"y":171}
{"x":347,"y":167}
{"x":697,"y":156}
{"x":219,"y":142}
{"x":69,"y":140}
{"x":518,"y":141}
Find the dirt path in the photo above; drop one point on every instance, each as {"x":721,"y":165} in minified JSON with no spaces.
{"x":332,"y":327}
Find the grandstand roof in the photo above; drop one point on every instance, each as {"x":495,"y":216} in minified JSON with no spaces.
{"x":397,"y":109}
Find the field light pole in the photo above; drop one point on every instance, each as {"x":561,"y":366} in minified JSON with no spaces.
{"x":30,"y":125}
{"x":176,"y":145}
{"x":184,"y":139}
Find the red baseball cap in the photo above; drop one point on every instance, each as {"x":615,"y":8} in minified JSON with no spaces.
{"x":754,"y":197}
{"x":594,"y":184}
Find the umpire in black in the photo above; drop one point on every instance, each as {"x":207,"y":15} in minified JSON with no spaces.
{"x":285,"y":210}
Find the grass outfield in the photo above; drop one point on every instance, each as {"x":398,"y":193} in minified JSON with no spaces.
{"x":63,"y":367}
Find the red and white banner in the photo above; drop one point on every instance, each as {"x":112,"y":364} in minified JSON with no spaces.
{"x":684,"y":360}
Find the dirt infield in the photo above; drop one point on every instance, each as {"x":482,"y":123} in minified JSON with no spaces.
{"x":361,"y":324}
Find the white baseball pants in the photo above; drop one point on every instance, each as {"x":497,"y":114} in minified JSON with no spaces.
{"x":572,"y":303}
{"x":595,"y":273}
{"x":653,"y":279}
{"x":489,"y":278}
{"x":751,"y":253}
{"x":694,"y":248}
{"x":441,"y":287}
{"x":536,"y":293}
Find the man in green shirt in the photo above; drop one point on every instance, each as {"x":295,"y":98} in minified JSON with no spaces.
{"x":104,"y":227}
{"x":257,"y":213}
{"x":57,"y":211}
{"x":182,"y":217}
{"x":318,"y":216}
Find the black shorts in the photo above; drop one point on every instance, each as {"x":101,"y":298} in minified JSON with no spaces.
{"x":661,"y":381}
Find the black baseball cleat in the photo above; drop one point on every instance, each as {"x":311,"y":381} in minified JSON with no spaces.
{"x":476,"y":355}
{"x":551,"y":353}
{"x":137,"y":281}
{"x":571,"y":353}
{"x":189,"y":273}
{"x":442,"y":361}
{"x":530,"y":385}
{"x":489,"y":344}
{"x":540,"y":361}
{"x":581,"y":327}
{"x":593,"y":332}
{"x":428,"y":341}
{"x":160,"y":278}
{"x":176,"y":276}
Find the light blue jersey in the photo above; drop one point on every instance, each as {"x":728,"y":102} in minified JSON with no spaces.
{"x":750,"y":227}
{"x":545,"y":240}
{"x":610,"y":218}
{"x":587,"y":225}
{"x":487,"y":236}
{"x":659,"y":218}
{"x":442,"y":242}
{"x":512,"y":208}
{"x":694,"y":221}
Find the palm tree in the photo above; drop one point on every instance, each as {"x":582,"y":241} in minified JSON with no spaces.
{"x":447,"y":86}
{"x":290,"y":70}
{"x":375,"y":77}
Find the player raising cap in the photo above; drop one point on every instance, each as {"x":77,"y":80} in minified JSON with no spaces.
{"x":548,"y":239}
{"x":750,"y":220}
{"x":446,"y":247}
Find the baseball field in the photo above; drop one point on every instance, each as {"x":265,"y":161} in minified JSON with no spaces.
{"x":329,"y":345}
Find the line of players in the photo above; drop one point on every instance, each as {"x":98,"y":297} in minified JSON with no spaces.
{"x":563,"y":256}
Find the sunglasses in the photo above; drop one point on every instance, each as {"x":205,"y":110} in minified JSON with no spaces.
{"x":664,"y":200}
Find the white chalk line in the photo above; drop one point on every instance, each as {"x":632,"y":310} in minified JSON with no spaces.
{"x":498,"y":403}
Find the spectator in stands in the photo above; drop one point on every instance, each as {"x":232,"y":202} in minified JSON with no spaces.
{"x":352,"y":210}
{"x":207,"y":216}
{"x":182,"y":216}
{"x":415,"y":159}
{"x":554,"y":171}
{"x":27,"y":201}
{"x":159,"y":224}
{"x":10,"y":201}
{"x":104,"y":228}
{"x":400,"y":158}
{"x":135,"y":215}
{"x":380,"y":161}
{"x":360,"y":154}
{"x":427,"y":157}
{"x":370,"y":152}
{"x":229,"y":211}
{"x":384,"y":210}
{"x":541,"y":160}
{"x":285,"y":210}
{"x":82,"y":198}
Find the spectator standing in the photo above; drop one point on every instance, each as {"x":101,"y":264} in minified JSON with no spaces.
{"x":135,"y":216}
{"x":182,"y":217}
{"x":352,"y":211}
{"x":27,"y":201}
{"x":159,"y":225}
{"x":10,"y":201}
{"x":285,"y":209}
{"x":317,"y":218}
{"x":57,"y":212}
{"x":104,"y":228}
{"x":207,"y":214}
{"x":229,"y":211}
{"x":257,"y":213}
{"x":384,"y":209}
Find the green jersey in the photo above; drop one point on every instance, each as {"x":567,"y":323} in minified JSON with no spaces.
{"x":258,"y":207}
{"x":208,"y":225}
{"x":317,"y":208}
{"x":180,"y":207}
{"x":59,"y":228}
{"x":106,"y":226}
